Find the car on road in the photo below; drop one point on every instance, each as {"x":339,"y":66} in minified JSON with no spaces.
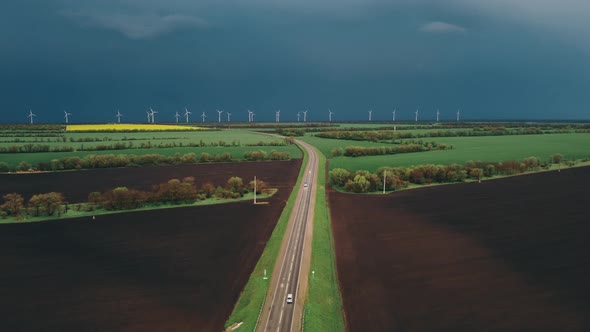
{"x":305,"y":184}
{"x":289,"y":298}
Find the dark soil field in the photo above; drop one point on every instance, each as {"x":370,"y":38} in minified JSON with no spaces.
{"x":163,"y":270}
{"x":76,"y":185}
{"x":504,"y":255}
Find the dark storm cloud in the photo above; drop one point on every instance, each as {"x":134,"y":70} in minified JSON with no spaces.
{"x":493,"y":58}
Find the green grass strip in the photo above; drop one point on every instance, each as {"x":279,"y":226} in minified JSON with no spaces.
{"x":323,"y":308}
{"x":249,"y":304}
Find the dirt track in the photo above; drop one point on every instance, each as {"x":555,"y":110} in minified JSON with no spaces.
{"x":165,"y":270}
{"x":504,"y":255}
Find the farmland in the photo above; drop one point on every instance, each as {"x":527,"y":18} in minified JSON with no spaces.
{"x":213,"y":142}
{"x":176,"y":269}
{"x":128,"y":127}
{"x":491,"y":256}
{"x":487,"y":148}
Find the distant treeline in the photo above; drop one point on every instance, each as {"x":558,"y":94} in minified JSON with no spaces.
{"x":406,"y":147}
{"x":34,"y":148}
{"x":174,"y":191}
{"x":401,"y":177}
{"x":121,"y":160}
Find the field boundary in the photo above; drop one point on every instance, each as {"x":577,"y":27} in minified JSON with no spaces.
{"x":247,"y":308}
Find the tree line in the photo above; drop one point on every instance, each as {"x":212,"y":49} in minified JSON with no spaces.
{"x":406,"y":147}
{"x":174,"y":191}
{"x":400,"y":177}
{"x":121,"y":160}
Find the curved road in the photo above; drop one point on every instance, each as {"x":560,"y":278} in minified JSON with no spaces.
{"x":293,"y":258}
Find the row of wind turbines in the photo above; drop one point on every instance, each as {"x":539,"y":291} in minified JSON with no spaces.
{"x":151,"y":115}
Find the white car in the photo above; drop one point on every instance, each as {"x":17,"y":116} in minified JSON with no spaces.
{"x":289,"y":298}
{"x":305,"y":184}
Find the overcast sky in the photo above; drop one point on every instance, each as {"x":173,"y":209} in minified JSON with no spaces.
{"x":493,"y":59}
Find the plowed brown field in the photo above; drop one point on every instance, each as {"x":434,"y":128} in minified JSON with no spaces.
{"x":76,"y":185}
{"x":163,"y":270}
{"x":506,"y":255}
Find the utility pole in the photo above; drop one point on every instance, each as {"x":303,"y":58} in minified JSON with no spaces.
{"x":254,"y":189}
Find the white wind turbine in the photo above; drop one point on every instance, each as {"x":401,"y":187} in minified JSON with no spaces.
{"x":228,"y":115}
{"x":149,"y":117}
{"x":31,"y":115}
{"x":219,"y":115}
{"x":66,"y":115}
{"x":203,"y":116}
{"x":370,"y":114}
{"x":330,"y":115}
{"x":304,"y":116}
{"x":393,"y":115}
{"x":119,"y":115}
{"x":250,"y":116}
{"x":437,"y":115}
{"x":458,"y":114}
{"x":186,"y":113}
{"x":278,"y":116}
{"x":153,"y":115}
{"x":416,"y":115}
{"x":177,"y":116}
{"x":298,"y":116}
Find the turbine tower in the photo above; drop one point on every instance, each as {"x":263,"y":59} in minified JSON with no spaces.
{"x":278,"y":116}
{"x":203,"y":116}
{"x":177,"y":116}
{"x":416,"y":115}
{"x":458,"y":114}
{"x":119,"y":115}
{"x":66,"y":115}
{"x":149,"y":117}
{"x":153,"y":115}
{"x":437,"y":115}
{"x":219,"y":115}
{"x":228,"y":115}
{"x":186,"y":113}
{"x":330,"y":115}
{"x":31,"y":115}
{"x":393,"y":114}
{"x":298,"y":115}
{"x":250,"y":117}
{"x":370,"y":114}
{"x":305,"y":116}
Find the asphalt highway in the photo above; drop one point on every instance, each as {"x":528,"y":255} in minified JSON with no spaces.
{"x":278,"y":315}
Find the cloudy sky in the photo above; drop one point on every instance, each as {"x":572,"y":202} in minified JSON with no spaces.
{"x":493,"y":59}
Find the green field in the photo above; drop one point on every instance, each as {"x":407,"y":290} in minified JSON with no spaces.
{"x":486,"y":148}
{"x":239,"y":138}
{"x":323,"y":306}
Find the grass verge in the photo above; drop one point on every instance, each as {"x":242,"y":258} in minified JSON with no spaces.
{"x":323,"y":308}
{"x":249,"y":304}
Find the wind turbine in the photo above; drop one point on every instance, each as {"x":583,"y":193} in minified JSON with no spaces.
{"x":393,"y":114}
{"x":149,"y":117}
{"x":177,"y":116}
{"x":219,"y":115}
{"x":437,"y":115}
{"x":458,"y":114}
{"x":228,"y":115}
{"x":330,"y":115}
{"x":298,"y":115}
{"x":416,"y":115}
{"x":186,"y":113}
{"x":203,"y":116}
{"x":305,"y":116}
{"x":253,"y":116}
{"x":119,"y":115}
{"x":66,"y":115}
{"x":250,"y":116}
{"x":153,"y":116}
{"x":278,"y":116}
{"x":31,"y":115}
{"x":370,"y":114}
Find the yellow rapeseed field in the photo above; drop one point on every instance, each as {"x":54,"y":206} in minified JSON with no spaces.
{"x":127,"y":127}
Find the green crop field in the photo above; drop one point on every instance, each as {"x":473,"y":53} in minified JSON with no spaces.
{"x":236,"y":144}
{"x":486,"y":148}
